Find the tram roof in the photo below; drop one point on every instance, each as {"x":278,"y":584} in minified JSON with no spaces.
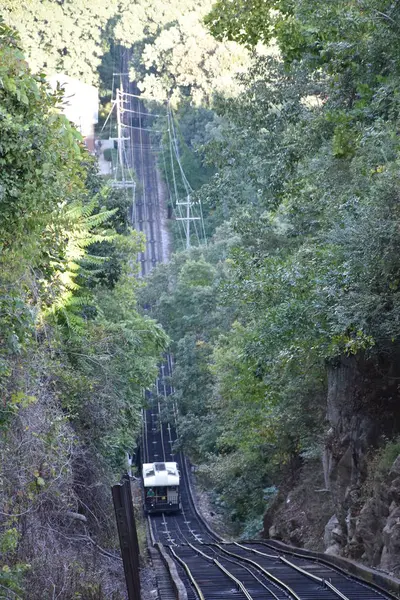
{"x":160,"y":474}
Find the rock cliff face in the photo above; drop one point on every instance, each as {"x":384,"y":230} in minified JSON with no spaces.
{"x":361,"y":513}
{"x":375,"y":536}
{"x":361,"y":409}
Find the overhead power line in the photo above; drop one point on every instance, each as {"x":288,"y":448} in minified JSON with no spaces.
{"x":190,"y":213}
{"x":123,"y":171}
{"x":187,"y":212}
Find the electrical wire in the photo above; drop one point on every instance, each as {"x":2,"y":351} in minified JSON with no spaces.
{"x":169,"y":189}
{"x":177,"y":203}
{"x":131,"y":104}
{"x":190,"y":216}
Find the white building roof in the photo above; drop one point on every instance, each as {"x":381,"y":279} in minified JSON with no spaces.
{"x":81,"y":102}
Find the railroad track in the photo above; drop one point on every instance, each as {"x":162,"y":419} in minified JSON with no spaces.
{"x":214,"y":569}
{"x":147,"y":207}
{"x":140,"y":155}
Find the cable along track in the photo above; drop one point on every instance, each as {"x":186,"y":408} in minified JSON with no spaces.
{"x":349,"y":585}
{"x":220,"y":576}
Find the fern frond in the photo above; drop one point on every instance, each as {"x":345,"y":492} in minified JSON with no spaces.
{"x":87,"y":209}
{"x":99,"y":218}
{"x":92,"y":259}
{"x":93,"y":238}
{"x":79,"y":301}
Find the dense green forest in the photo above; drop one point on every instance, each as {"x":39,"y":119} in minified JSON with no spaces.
{"x":76,"y":352}
{"x":287,"y":116}
{"x":301,"y":277}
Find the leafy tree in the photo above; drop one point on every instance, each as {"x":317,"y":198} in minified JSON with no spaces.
{"x":304,"y":165}
{"x":184,"y":61}
{"x":243,"y":21}
{"x":74,"y":351}
{"x":62,"y":36}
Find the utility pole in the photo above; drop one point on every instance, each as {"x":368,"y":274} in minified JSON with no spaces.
{"x":174,"y":148}
{"x":187,"y":219}
{"x":120,"y":139}
{"x":188,"y":223}
{"x":120,"y":180}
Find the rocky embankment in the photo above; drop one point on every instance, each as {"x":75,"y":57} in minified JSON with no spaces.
{"x":350,"y":504}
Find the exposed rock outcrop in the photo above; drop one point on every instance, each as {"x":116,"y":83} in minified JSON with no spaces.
{"x":299,"y":512}
{"x":361,"y":409}
{"x":356,"y":513}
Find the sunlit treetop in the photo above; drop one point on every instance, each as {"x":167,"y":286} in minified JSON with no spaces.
{"x":322,"y":31}
{"x":245,"y":21}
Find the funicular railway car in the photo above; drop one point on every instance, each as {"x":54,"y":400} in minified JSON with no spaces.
{"x":161,"y":487}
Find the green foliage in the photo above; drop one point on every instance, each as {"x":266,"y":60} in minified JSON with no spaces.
{"x":75,"y":354}
{"x":252,"y":529}
{"x":243,"y":21}
{"x":344,"y":37}
{"x":115,"y":359}
{"x":11,"y":571}
{"x":9,"y":540}
{"x":304,"y":166}
{"x":379,"y":465}
{"x":389,"y":454}
{"x":173,"y":55}
{"x":67,"y":37}
{"x":298,"y":174}
{"x":11,"y":579}
{"x":39,"y":151}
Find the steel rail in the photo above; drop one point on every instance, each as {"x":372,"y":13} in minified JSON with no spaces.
{"x":256,"y":551}
{"x":190,"y":530}
{"x":170,"y":442}
{"x":188,"y":572}
{"x":335,"y":590}
{"x":161,"y":430}
{"x":239,"y":563}
{"x":146,"y":443}
{"x":180,"y":532}
{"x":260,"y":568}
{"x":319,"y":580}
{"x":186,"y":489}
{"x":224,"y":570}
{"x":236,"y":562}
{"x":315,"y":578}
{"x":167,"y":531}
{"x":306,"y":573}
{"x":235,"y":579}
{"x":370,"y":585}
{"x":185,"y":478}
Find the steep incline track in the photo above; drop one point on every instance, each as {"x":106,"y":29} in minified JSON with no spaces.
{"x":147,"y":203}
{"x":213,"y":569}
{"x":148,"y":213}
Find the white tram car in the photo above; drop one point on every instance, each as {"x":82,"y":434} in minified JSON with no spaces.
{"x":161,"y":487}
